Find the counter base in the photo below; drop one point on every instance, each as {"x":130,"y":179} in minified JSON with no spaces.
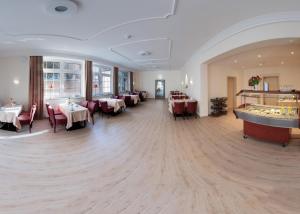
{"x":267,"y":133}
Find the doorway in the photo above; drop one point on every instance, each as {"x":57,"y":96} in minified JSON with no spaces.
{"x":271,"y":83}
{"x":231,"y":93}
{"x":159,"y":89}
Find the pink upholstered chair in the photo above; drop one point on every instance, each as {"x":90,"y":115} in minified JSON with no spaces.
{"x":55,"y":119}
{"x":84,"y":103}
{"x":105,"y":108}
{"x":27,"y":119}
{"x":178,"y":109}
{"x":128,"y":101}
{"x":191,"y":108}
{"x":56,"y":112}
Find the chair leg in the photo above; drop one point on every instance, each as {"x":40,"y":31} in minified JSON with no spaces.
{"x":30,"y":126}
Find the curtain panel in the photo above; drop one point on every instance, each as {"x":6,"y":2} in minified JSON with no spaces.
{"x":36,"y":84}
{"x":88,"y":80}
{"x":131,"y":81}
{"x":116,"y":81}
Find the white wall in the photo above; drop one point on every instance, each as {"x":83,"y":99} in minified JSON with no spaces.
{"x":14,"y":68}
{"x":196,"y":69}
{"x":288,"y":75}
{"x":145,"y":80}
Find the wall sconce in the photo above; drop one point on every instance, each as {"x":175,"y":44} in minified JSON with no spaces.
{"x":191,"y":82}
{"x":16,"y":82}
{"x":186,"y":82}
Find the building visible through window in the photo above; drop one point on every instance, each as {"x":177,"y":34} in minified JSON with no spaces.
{"x":102,"y":80}
{"x":63,"y":78}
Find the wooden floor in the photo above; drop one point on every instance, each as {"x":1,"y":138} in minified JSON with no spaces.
{"x":143,"y":161}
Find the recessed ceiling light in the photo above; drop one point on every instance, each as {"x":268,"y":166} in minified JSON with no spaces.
{"x":292,"y":52}
{"x":259,"y":56}
{"x":61,"y":7}
{"x":261,"y":64}
{"x":282,"y":62}
{"x":235,"y":61}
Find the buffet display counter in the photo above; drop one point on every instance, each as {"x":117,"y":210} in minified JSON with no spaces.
{"x":269,"y":122}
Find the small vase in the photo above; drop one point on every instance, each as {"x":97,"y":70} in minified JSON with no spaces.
{"x":255,"y":87}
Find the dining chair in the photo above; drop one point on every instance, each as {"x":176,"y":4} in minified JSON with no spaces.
{"x":55,"y":119}
{"x":92,"y":107}
{"x":178,"y":109}
{"x":128,"y":101}
{"x":191,"y":108}
{"x":84,"y":103}
{"x":56,"y":111}
{"x":105,"y":109}
{"x":27,"y":119}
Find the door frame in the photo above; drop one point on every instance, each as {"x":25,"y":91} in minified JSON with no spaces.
{"x":234,"y":90}
{"x":164,"y":85}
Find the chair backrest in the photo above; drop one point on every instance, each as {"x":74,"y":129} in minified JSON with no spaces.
{"x":191,"y":107}
{"x":127,"y":99}
{"x":103,"y":105}
{"x":178,"y":107}
{"x":84,"y":103}
{"x":51,"y":113}
{"x":92,"y":107}
{"x":32,"y":113}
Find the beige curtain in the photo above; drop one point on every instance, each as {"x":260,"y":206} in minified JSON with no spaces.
{"x":36,"y":84}
{"x":116,"y":81}
{"x":89,"y":80}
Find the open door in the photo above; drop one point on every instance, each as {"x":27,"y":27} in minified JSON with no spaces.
{"x":159,"y":89}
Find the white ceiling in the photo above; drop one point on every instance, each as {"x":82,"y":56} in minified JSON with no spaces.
{"x":170,"y":30}
{"x":271,"y":53}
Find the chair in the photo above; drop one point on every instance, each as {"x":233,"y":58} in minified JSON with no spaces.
{"x":92,"y":107}
{"x":55,"y":119}
{"x":84,"y":103}
{"x":178,"y":109}
{"x":56,"y":112}
{"x":191,"y":108}
{"x":27,"y":119}
{"x":105,"y":108}
{"x":128,"y":101}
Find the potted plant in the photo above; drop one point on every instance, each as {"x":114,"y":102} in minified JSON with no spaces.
{"x":254,"y":81}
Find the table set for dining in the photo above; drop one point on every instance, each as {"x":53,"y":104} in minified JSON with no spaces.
{"x":134,"y":97}
{"x":117,"y":104}
{"x":9,"y":115}
{"x":172,"y":103}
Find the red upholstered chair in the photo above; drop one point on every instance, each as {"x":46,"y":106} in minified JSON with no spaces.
{"x":27,"y":119}
{"x":105,"y":108}
{"x":175,"y":97}
{"x":84,"y":103}
{"x":191,"y":108}
{"x":56,"y":112}
{"x":128,"y":101}
{"x":178,"y":109}
{"x":55,"y":119}
{"x":92,"y":107}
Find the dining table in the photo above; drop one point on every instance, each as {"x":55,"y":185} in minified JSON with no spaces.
{"x":117,"y":104}
{"x":74,"y":113}
{"x":134,"y":97}
{"x":9,"y":115}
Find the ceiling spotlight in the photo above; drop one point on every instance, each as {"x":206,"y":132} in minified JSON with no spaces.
{"x":259,"y":56}
{"x":282,"y":62}
{"x":61,"y":7}
{"x":292,"y":52}
{"x":261,"y":64}
{"x":235,"y":61}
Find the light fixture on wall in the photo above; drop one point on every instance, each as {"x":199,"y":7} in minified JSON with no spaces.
{"x":186,"y":81}
{"x":16,"y":82}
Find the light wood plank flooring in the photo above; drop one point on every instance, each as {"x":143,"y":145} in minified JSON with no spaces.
{"x":143,"y":161}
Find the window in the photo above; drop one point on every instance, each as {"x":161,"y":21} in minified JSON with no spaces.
{"x":102,"y":80}
{"x":123,"y":81}
{"x":62,"y":78}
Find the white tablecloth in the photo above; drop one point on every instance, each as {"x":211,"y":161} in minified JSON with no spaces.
{"x":10,"y":115}
{"x":74,"y":113}
{"x":117,"y":104}
{"x":135,"y":98}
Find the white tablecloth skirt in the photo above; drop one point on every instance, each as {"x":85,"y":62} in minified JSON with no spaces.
{"x":10,"y":115}
{"x":117,"y":104}
{"x":74,"y":114}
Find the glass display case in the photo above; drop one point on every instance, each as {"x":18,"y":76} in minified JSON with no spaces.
{"x":267,"y":113}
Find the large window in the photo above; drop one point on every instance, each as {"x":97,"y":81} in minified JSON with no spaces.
{"x":63,"y":78}
{"x":123,"y":81}
{"x":102,"y":80}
